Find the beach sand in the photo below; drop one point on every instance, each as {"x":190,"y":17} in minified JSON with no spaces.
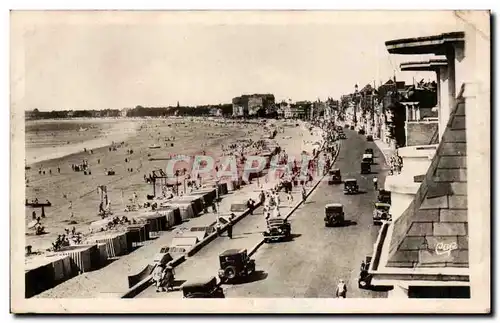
{"x":191,"y":137}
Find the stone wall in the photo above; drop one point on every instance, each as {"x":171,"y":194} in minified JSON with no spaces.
{"x":421,"y":133}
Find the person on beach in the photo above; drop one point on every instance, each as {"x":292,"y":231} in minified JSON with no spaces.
{"x":304,"y":194}
{"x":289,"y":197}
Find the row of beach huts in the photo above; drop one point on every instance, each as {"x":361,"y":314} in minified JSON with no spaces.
{"x":43,"y":272}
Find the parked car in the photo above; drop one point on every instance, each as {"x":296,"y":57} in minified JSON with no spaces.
{"x":369,"y":138}
{"x":342,"y":135}
{"x":365,"y":279}
{"x":369,"y":151}
{"x":368,"y":158}
{"x":384,"y":196}
{"x":278,"y":229}
{"x":334,"y":214}
{"x":346,"y":126}
{"x":381,"y":213}
{"x":335,"y":178}
{"x":235,"y":264}
{"x":366,"y":167}
{"x":352,"y":127}
{"x":207,"y":288}
{"x":351,"y":186}
{"x":361,"y":131}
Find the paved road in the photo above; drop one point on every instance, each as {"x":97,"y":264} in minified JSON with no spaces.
{"x":311,"y":265}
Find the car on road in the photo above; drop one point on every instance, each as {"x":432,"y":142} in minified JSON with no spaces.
{"x":361,"y":131}
{"x":334,"y":214}
{"x":346,"y":126}
{"x":335,"y":177}
{"x":278,"y":229}
{"x":366,"y":167}
{"x":352,"y":127}
{"x":342,"y":135}
{"x":369,"y":138}
{"x":235,"y":264}
{"x":351,"y":186}
{"x":369,"y":151}
{"x":339,"y":128}
{"x":206,"y":288}
{"x":365,"y":279}
{"x":384,"y":196}
{"x":368,"y":158}
{"x":381,"y":213}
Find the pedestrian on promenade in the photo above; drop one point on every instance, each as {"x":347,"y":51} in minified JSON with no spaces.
{"x":230,"y":231}
{"x":375,"y":183}
{"x":341,"y":291}
{"x":290,"y":198}
{"x":304,"y":194}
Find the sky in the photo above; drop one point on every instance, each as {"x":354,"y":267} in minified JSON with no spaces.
{"x":99,"y":61}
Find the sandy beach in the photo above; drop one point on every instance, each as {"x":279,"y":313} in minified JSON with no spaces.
{"x":74,"y":196}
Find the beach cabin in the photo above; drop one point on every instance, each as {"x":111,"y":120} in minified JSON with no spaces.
{"x":172,"y":215}
{"x":137,"y":234}
{"x":208,"y":195}
{"x":115,"y":242}
{"x":47,"y":271}
{"x":85,"y":257}
{"x":184,"y":207}
{"x":196,"y":202}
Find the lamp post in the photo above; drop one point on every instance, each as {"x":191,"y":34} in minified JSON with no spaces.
{"x":355,"y":120}
{"x":177,"y":182}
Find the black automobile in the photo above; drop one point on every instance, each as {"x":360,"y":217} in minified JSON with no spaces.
{"x":365,"y":279}
{"x":361,"y":131}
{"x":369,"y":138}
{"x":352,"y":127}
{"x":342,"y":135}
{"x":346,"y":126}
{"x":235,"y":264}
{"x":351,"y":186}
{"x":278,"y":229}
{"x":384,"y":196}
{"x":369,"y":151}
{"x":335,"y":177}
{"x":334,"y":214}
{"x":207,"y":288}
{"x":366,"y":167}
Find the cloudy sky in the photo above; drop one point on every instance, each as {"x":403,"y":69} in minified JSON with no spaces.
{"x":96,"y":61}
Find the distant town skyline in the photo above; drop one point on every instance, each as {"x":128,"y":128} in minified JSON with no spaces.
{"x":158,"y":59}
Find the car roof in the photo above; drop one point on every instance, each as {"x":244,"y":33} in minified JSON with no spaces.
{"x":199,"y":282}
{"x":382,"y":204}
{"x":230,"y":252}
{"x":333,"y":205}
{"x":350,"y":180}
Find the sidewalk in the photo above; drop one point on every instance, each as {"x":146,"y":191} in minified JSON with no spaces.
{"x":386,"y":150}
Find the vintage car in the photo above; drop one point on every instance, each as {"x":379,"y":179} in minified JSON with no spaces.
{"x":339,"y":128}
{"x":366,"y":167}
{"x":346,"y":126}
{"x":369,"y":138}
{"x":381,"y":213}
{"x":334,"y":214}
{"x":361,"y":131}
{"x":369,"y":151}
{"x":278,"y":229}
{"x":384,"y":196}
{"x":342,"y":135}
{"x":352,"y":127}
{"x":351,"y":186}
{"x":206,"y":288}
{"x":234,"y":264}
{"x":335,"y":177}
{"x":368,"y":158}
{"x":365,"y":279}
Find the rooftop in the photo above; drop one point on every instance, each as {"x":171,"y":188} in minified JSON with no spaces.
{"x":424,"y":45}
{"x":437,"y":217}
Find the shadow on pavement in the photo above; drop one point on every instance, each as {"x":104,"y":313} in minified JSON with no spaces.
{"x":380,"y":288}
{"x":294,"y":235}
{"x":360,"y":192}
{"x":256,"y":276}
{"x":348,"y":223}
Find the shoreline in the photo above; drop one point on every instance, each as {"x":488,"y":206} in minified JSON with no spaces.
{"x":105,"y":139}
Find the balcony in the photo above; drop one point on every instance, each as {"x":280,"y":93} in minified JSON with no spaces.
{"x":403,"y":187}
